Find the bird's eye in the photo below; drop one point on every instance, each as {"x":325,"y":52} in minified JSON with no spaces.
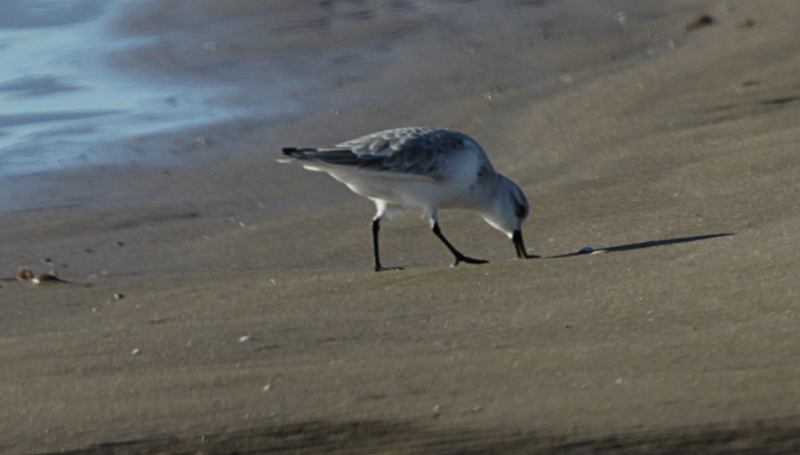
{"x":522,"y":211}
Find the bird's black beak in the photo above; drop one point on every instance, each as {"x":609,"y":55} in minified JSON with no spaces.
{"x":522,"y":253}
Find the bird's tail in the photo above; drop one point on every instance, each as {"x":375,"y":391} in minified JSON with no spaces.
{"x":293,"y":152}
{"x":296,"y":153}
{"x":335,"y":155}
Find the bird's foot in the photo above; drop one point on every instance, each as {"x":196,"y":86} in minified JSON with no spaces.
{"x":468,"y":260}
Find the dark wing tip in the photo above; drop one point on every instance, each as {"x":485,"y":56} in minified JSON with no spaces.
{"x":289,"y":150}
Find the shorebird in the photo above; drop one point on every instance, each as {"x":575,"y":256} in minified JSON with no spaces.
{"x":427,"y":169}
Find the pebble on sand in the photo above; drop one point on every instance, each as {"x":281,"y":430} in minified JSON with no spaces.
{"x":700,"y":22}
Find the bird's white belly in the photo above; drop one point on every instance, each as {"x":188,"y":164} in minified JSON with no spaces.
{"x":454,"y":190}
{"x":405,"y":193}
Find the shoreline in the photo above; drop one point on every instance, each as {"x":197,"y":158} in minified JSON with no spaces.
{"x":265,"y":76}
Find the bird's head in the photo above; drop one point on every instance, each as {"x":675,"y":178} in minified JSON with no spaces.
{"x":509,"y":209}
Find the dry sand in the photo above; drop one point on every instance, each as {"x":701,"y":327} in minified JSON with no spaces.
{"x":674,"y":149}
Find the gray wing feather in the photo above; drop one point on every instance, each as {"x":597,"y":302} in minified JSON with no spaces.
{"x":419,"y":151}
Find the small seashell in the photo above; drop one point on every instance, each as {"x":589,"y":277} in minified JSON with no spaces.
{"x":118,"y":296}
{"x":24,"y":273}
{"x":135,"y":351}
{"x":267,"y":387}
{"x":246,"y":338}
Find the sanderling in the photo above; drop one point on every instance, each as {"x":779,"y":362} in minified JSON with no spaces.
{"x":427,"y":169}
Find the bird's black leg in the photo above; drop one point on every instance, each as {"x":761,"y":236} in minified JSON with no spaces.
{"x":459,"y":257}
{"x":522,"y":253}
{"x":375,"y":228}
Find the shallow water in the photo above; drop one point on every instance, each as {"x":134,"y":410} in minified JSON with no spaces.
{"x":61,"y":104}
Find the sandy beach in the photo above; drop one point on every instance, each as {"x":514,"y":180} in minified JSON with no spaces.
{"x":227,"y":304}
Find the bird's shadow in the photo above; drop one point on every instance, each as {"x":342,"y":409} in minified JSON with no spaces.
{"x":637,"y":246}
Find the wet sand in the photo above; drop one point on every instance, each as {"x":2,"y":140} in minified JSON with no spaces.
{"x":250,"y":320}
